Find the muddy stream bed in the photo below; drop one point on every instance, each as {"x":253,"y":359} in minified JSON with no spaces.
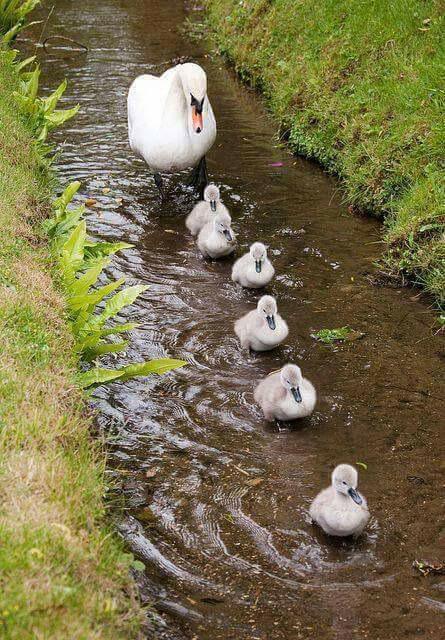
{"x":215,"y":500}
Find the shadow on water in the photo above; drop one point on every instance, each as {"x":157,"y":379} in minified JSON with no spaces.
{"x":229,"y":557}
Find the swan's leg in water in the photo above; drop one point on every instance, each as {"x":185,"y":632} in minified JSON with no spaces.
{"x":199,"y":177}
{"x":159,"y":184}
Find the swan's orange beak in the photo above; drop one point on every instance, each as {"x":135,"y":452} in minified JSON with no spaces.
{"x":197,"y":120}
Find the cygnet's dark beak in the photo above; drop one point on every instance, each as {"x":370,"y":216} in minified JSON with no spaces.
{"x":213,"y":205}
{"x":258,"y":266}
{"x":228,"y":235}
{"x":355,"y":495}
{"x":295,"y":391}
{"x":271,"y":322}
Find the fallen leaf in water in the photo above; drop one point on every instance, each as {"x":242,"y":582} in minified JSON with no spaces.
{"x":146,"y":516}
{"x":106,"y":190}
{"x":354,"y":335}
{"x":362,"y":464}
{"x":254,"y":482}
{"x":119,"y":200}
{"x":191,"y":600}
{"x":426,"y":567}
{"x":211,"y":600}
{"x":90,"y":202}
{"x":169,"y":231}
{"x":276,"y":164}
{"x":150,"y":473}
{"x":246,"y":473}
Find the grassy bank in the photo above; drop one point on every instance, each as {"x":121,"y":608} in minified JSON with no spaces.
{"x":62,"y":574}
{"x":358,"y":86}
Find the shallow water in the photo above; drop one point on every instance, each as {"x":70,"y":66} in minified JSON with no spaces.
{"x":228,"y":557}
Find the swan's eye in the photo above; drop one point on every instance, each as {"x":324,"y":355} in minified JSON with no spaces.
{"x":196,"y":103}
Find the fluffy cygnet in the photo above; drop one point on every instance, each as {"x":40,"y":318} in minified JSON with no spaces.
{"x":253,"y":270}
{"x":263,"y":328}
{"x":341,"y":510}
{"x":216,"y":239}
{"x":286,"y":395}
{"x":204,"y":211}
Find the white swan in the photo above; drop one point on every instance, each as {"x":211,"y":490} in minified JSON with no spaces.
{"x":263,"y":328}
{"x":216,"y":239}
{"x":204,"y":211}
{"x":170,"y":121}
{"x":341,"y":510}
{"x":286,"y":395}
{"x":253,"y":270}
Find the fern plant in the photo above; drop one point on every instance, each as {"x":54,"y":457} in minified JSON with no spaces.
{"x":42,"y":112}
{"x":12,"y":17}
{"x":82,"y":263}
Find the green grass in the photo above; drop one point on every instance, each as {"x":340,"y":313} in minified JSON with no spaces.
{"x":358,"y":86}
{"x":63,"y":574}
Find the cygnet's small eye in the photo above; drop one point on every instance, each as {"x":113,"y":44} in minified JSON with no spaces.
{"x":344,"y":482}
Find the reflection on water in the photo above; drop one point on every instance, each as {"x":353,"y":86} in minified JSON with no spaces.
{"x":216,"y":499}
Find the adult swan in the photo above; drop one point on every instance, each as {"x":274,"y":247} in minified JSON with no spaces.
{"x":171,"y":123}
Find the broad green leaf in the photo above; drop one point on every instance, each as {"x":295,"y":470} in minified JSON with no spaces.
{"x":24,"y":63}
{"x":97,"y":376}
{"x":159,"y":367}
{"x":49,"y":103}
{"x":122,"y":299}
{"x":97,"y":249}
{"x":73,"y":247}
{"x":87,"y":341}
{"x":85,"y":281}
{"x":43,"y":134}
{"x":10,"y":35}
{"x":57,"y":118}
{"x":68,"y":194}
{"x":32,"y":86}
{"x":92,"y":299}
{"x":119,"y":328}
{"x":102,"y":349}
{"x":57,"y":228}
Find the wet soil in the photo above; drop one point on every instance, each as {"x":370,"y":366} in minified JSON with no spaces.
{"x":216,"y":499}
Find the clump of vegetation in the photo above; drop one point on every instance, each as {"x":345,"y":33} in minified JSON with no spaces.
{"x":62,"y":572}
{"x":358,"y":86}
{"x":13,"y":15}
{"x":62,"y":575}
{"x":81,"y":263}
{"x":329,"y":336}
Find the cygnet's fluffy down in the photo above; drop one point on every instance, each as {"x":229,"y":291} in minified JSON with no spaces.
{"x":216,"y":239}
{"x":341,"y":510}
{"x":205,"y":210}
{"x":263,"y":328}
{"x":286,"y":395}
{"x":253,"y":270}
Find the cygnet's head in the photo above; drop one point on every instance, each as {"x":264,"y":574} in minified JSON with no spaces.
{"x":345,"y":480}
{"x":291,"y":379}
{"x":267,"y":308}
{"x":259,"y":253}
{"x":211,"y":194}
{"x":222,"y":225}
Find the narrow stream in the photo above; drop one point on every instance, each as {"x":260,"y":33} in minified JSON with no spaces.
{"x":231,"y":557}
